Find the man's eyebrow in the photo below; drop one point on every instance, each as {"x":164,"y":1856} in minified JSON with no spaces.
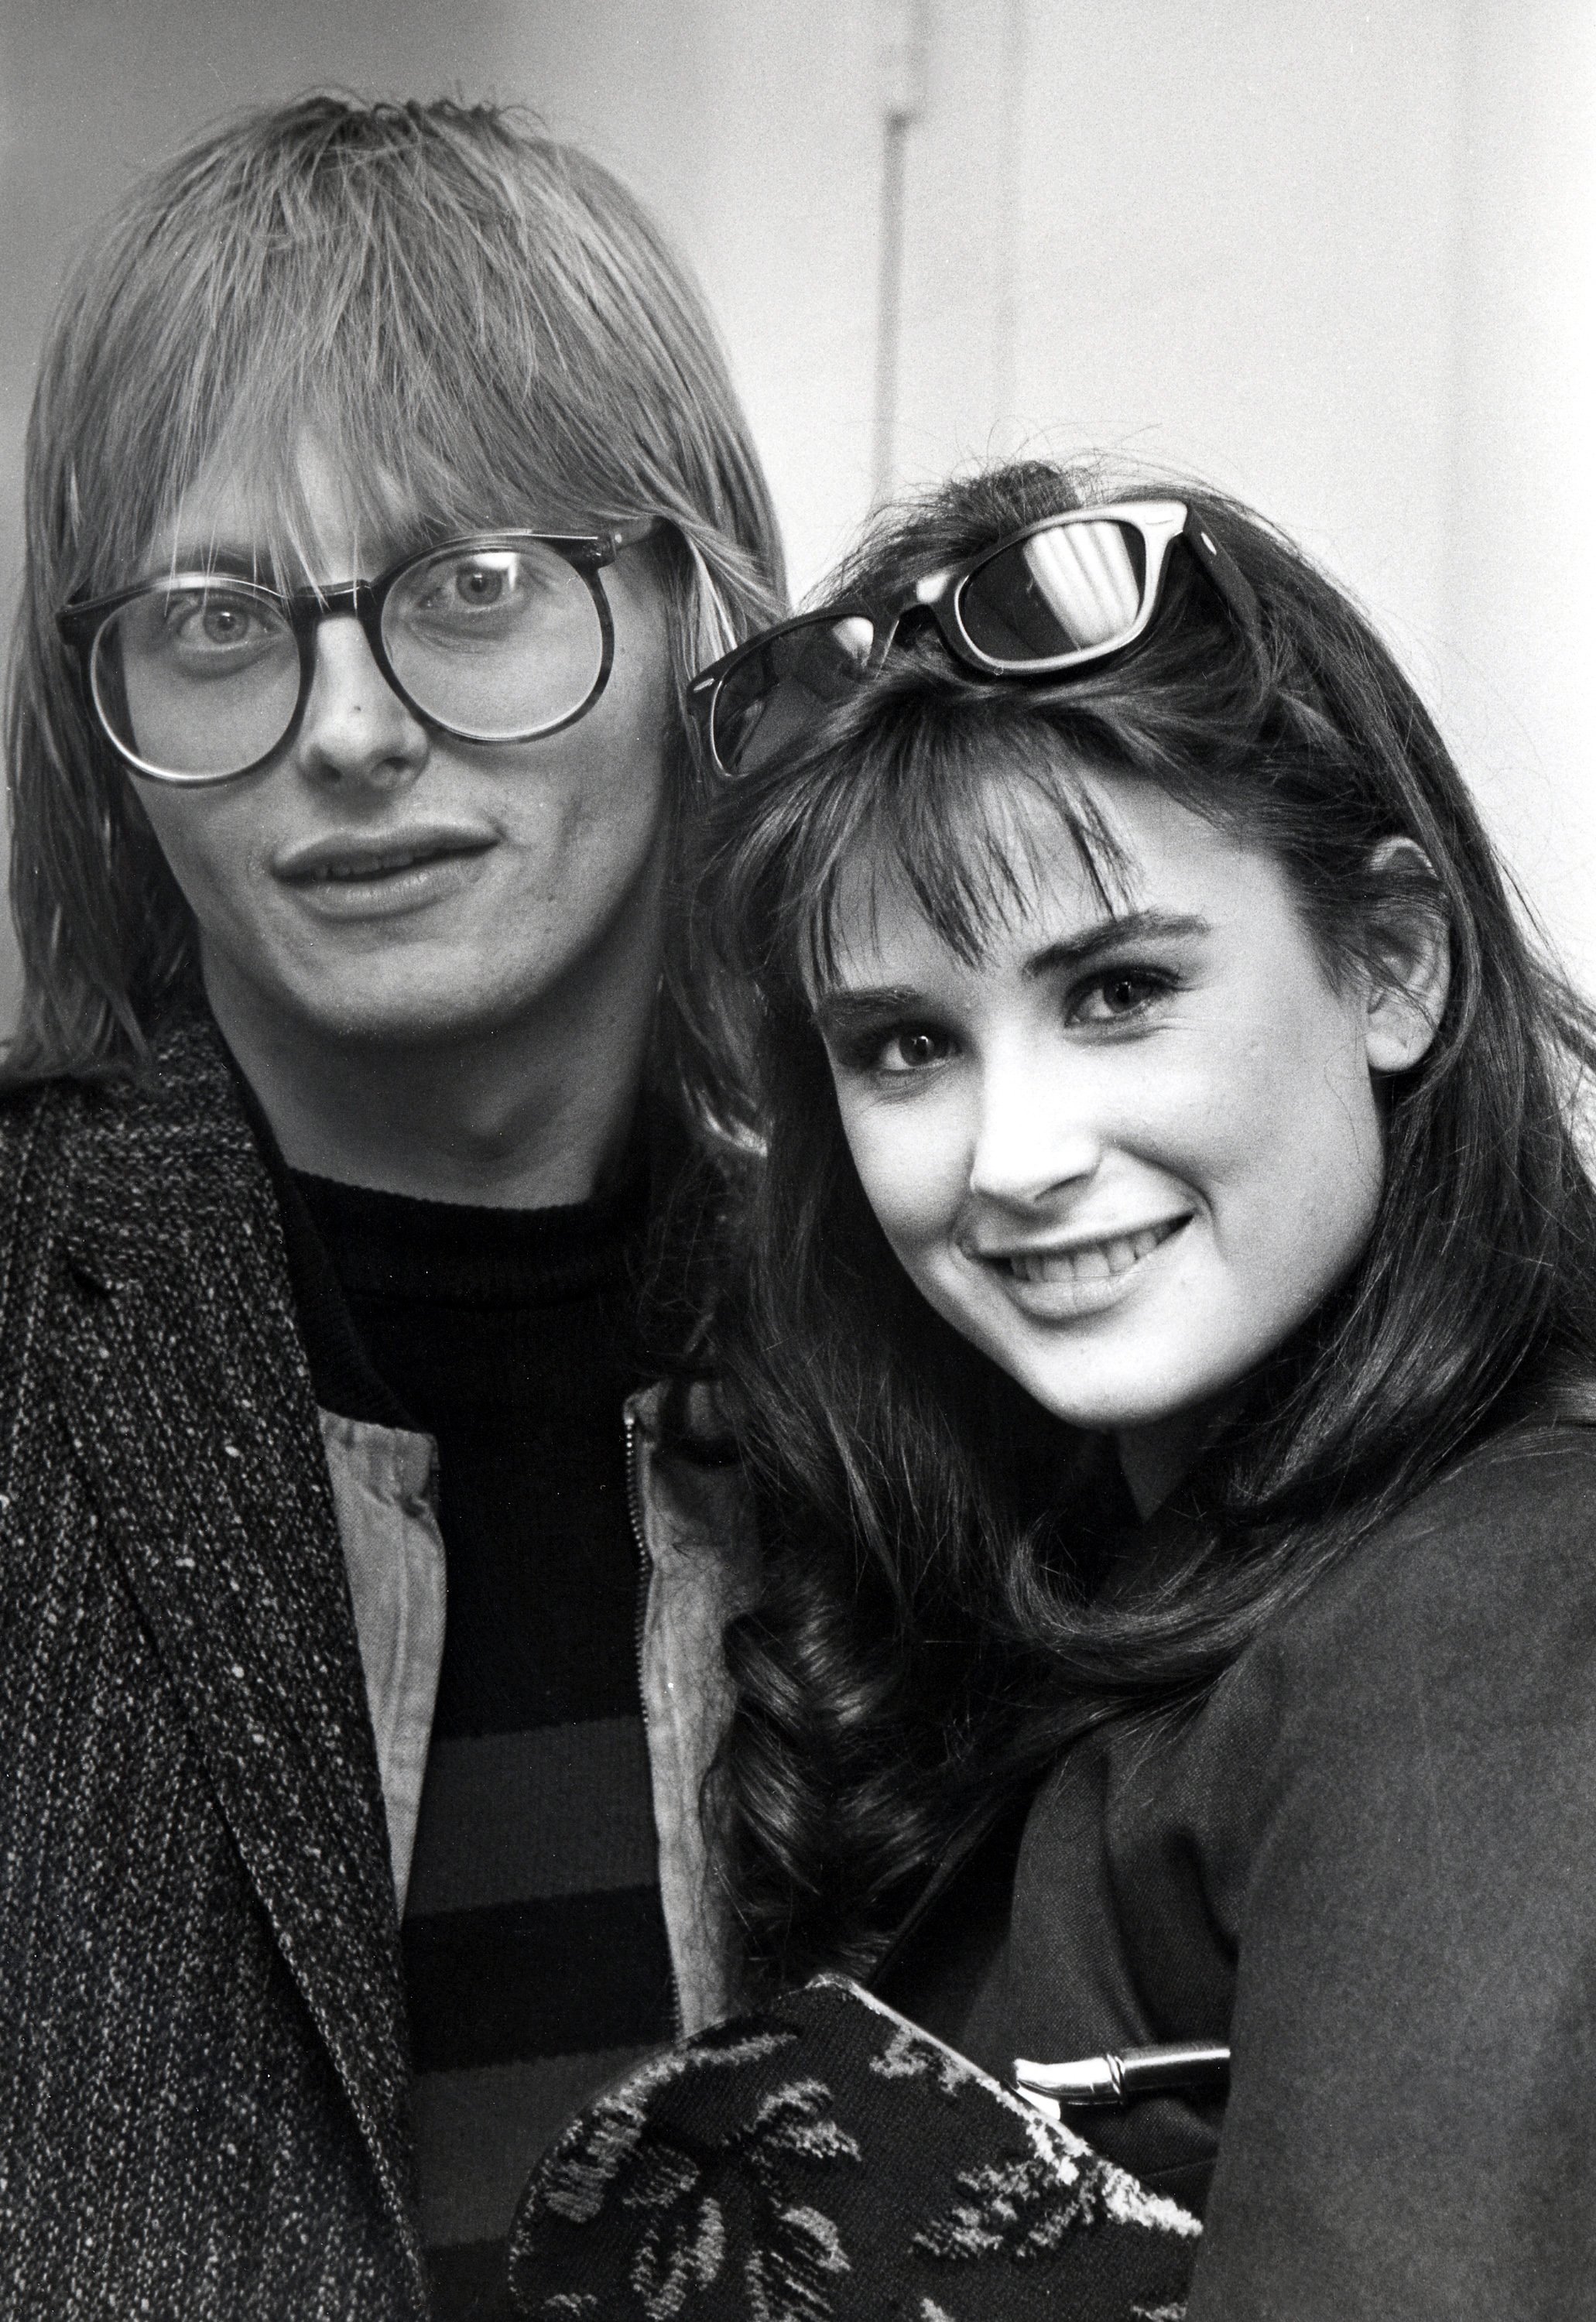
{"x":1110,"y":933}
{"x":239,"y":560}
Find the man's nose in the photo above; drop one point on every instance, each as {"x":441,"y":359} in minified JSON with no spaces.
{"x":355,"y":728}
{"x":1036,"y":1130}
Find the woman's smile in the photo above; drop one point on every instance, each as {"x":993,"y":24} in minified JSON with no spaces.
{"x":1061,"y":1282}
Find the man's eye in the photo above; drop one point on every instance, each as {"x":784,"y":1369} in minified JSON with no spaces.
{"x":1111,"y":999}
{"x":481,"y":584}
{"x":213,"y":624}
{"x":224,"y":625}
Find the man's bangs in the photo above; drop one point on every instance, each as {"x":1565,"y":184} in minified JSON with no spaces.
{"x":418,"y":330}
{"x":394,"y":494}
{"x":934,"y":816}
{"x":405,"y":479}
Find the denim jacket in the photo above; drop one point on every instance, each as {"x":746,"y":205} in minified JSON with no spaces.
{"x":694,"y":1533}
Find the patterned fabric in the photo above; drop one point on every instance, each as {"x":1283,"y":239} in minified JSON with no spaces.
{"x":203,"y":2073}
{"x":825,"y":2161}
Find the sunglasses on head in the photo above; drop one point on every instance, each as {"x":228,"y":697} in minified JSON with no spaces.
{"x":1056,"y":596}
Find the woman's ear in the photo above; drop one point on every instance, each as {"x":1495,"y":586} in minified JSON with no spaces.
{"x":1410,"y":958}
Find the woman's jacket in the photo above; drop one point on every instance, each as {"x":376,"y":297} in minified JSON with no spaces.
{"x":206,"y":1791}
{"x":1365,"y":1863}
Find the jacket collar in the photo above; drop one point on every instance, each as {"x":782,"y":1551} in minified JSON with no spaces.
{"x":183,"y":1380}
{"x":694,"y":1526}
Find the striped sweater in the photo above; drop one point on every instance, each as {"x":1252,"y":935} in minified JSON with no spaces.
{"x":535,"y":1957}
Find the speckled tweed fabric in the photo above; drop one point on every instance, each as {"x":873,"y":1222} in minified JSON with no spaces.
{"x":203,"y":2069}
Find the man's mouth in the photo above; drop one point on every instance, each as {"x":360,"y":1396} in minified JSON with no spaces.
{"x":360,"y":861}
{"x":1080,"y":1264}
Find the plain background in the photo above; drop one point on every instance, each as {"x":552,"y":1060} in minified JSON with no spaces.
{"x":1340,"y":259}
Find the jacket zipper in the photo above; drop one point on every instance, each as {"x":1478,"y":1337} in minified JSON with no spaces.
{"x":645,"y":1573}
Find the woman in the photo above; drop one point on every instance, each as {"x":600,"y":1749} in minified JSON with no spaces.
{"x":1158,"y":1324}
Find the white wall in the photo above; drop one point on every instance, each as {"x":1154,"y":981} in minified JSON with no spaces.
{"x":1341,"y":258}
{"x":1516,"y":632}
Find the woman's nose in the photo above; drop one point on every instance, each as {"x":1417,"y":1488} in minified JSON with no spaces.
{"x":1035,"y":1132}
{"x":355,"y":728}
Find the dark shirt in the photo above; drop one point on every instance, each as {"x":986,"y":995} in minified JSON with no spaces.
{"x":1368,"y":1864}
{"x":534,"y":1945}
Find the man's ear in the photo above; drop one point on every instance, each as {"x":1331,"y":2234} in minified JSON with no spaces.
{"x":1410,"y":958}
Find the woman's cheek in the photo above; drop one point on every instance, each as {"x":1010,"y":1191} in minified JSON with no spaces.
{"x":907,"y":1156}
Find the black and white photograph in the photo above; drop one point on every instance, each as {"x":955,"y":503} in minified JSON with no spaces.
{"x":797,"y":1161}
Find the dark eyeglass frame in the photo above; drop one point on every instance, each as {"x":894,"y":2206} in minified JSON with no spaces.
{"x":939,"y":596}
{"x":81,"y":621}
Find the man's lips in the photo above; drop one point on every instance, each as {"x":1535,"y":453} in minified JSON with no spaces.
{"x":354,"y":858}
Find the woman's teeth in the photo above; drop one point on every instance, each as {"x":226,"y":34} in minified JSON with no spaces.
{"x":1095,"y":1262}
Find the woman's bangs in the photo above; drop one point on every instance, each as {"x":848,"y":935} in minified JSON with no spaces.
{"x":934,"y":817}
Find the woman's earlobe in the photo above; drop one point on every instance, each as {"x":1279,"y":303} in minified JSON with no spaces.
{"x":1409,"y":970}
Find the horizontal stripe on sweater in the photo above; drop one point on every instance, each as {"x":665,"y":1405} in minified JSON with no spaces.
{"x":549,"y":1811}
{"x":535,"y":1979}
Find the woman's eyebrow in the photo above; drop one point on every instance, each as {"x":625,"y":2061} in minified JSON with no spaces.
{"x":1109,"y":935}
{"x":834,"y":1011}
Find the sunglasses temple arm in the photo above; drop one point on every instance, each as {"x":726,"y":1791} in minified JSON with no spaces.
{"x":1223,"y":570}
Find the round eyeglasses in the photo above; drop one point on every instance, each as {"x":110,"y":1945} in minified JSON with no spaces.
{"x":501,"y":637}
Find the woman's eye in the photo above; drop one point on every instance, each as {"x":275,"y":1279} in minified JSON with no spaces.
{"x":1112,"y":998}
{"x":913,"y":1049}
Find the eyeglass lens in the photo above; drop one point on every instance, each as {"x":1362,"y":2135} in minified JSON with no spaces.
{"x":1075,"y":588}
{"x":495,"y":642}
{"x":196,"y":677}
{"x":200,"y":676}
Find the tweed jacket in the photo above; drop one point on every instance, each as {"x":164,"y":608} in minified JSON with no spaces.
{"x":204,"y":2067}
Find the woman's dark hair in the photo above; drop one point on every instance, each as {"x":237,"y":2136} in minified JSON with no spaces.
{"x":927,"y":1631}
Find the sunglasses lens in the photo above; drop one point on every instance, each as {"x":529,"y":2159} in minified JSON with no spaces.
{"x":778,"y":689}
{"x":1075,"y":587}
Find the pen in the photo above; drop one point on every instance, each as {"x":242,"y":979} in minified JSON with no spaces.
{"x":1198,"y":2065}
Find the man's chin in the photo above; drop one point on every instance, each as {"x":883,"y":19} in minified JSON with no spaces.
{"x":426,"y":1017}
{"x":405,"y":1000}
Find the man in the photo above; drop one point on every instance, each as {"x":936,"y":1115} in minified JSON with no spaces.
{"x":385,"y":487}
